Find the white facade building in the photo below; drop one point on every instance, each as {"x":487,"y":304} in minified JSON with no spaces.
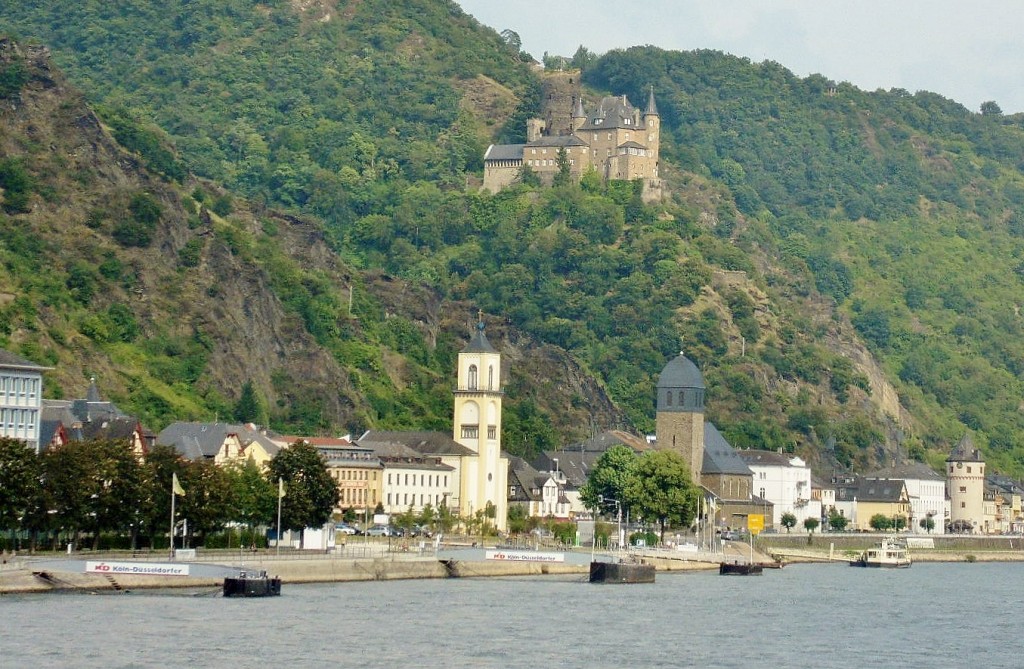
{"x":784,"y":480}
{"x":414,"y":483}
{"x":21,"y":397}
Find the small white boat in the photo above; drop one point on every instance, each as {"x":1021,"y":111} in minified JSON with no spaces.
{"x":889,"y":552}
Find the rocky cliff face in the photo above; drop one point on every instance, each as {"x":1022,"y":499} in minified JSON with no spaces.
{"x":207,"y":324}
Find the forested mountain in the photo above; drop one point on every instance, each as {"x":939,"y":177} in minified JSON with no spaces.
{"x":806,"y":219}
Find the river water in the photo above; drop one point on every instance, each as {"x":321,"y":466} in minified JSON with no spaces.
{"x":820,"y":616}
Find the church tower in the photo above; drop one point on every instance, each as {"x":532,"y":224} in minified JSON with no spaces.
{"x":680,"y":415}
{"x":477,"y":426}
{"x":965,"y":476}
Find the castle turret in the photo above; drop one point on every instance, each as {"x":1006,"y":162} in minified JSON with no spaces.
{"x":652,"y":120}
{"x":579,"y":117}
{"x":680,"y":416}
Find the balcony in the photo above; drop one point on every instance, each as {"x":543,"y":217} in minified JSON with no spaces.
{"x":470,"y":431}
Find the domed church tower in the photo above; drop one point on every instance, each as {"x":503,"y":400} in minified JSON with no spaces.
{"x":680,"y":417}
{"x":477,"y":426}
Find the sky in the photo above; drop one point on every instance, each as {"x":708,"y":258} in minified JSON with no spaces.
{"x":968,"y":51}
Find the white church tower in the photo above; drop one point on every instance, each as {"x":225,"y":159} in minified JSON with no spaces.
{"x":477,"y":426}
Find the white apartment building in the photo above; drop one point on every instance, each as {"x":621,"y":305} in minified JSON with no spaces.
{"x":415,"y":482}
{"x":784,"y":480}
{"x":21,"y":396}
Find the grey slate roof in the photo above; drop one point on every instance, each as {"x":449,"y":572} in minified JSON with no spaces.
{"x":204,"y":440}
{"x":965,"y":451}
{"x":680,"y":372}
{"x":11,"y":361}
{"x":578,"y":461}
{"x":504,"y":152}
{"x":400,"y":444}
{"x":631,"y":145}
{"x":880,"y":490}
{"x":478,"y":342}
{"x":522,"y":475}
{"x":907,"y":470}
{"x":612,"y":112}
{"x":719,"y":456}
{"x":766,"y":458}
{"x":557,"y":141}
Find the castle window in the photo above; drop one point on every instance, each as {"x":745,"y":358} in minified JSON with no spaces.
{"x":626,"y":121}
{"x":968,"y":469}
{"x":533,"y":151}
{"x":490,"y":378}
{"x":668,"y":398}
{"x":963,"y":488}
{"x":472,"y":377}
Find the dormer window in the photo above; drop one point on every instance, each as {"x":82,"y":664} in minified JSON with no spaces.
{"x":597,"y":121}
{"x":626,"y":121}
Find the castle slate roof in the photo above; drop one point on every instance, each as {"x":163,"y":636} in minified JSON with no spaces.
{"x":11,"y":361}
{"x":557,"y":141}
{"x":396,"y":443}
{"x":504,"y":152}
{"x":680,"y":372}
{"x":631,"y":145}
{"x":652,"y":107}
{"x":719,"y":456}
{"x":612,"y":112}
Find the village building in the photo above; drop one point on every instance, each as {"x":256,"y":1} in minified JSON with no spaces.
{"x":222,"y":443}
{"x":860,"y":499}
{"x":615,"y":139}
{"x":541,"y":494}
{"x":927,"y":492}
{"x":356,"y":471}
{"x":1009,"y":493}
{"x":91,"y":418}
{"x":784,"y":480}
{"x":21,"y":392}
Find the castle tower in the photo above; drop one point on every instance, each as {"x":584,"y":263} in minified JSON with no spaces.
{"x":652,"y":122}
{"x":680,"y":416}
{"x":965,"y":478}
{"x":477,"y":426}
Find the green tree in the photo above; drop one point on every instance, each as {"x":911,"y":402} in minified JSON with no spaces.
{"x":927,"y":524}
{"x":880,"y":522}
{"x":811,"y":524}
{"x":249,"y":408}
{"x":788,"y":520}
{"x":563,"y":177}
{"x":162,"y":461}
{"x":19,"y":482}
{"x":254,"y":498}
{"x":207,"y":504}
{"x":836,"y":521}
{"x":310,"y":492}
{"x":660,"y":490}
{"x":609,"y":478}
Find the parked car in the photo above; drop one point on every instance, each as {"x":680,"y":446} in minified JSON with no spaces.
{"x":379,"y":531}
{"x":345,"y":529}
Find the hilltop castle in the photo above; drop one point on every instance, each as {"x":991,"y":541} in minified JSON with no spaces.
{"x":616,"y":139}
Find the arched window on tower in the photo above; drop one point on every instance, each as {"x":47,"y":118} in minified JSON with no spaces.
{"x":490,"y":377}
{"x":668,"y":398}
{"x":471,"y":382}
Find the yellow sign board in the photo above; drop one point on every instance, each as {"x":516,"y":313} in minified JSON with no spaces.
{"x":755,"y":523}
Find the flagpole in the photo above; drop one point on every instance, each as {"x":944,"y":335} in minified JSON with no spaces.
{"x":280,"y":495}
{"x":171,"y":536}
